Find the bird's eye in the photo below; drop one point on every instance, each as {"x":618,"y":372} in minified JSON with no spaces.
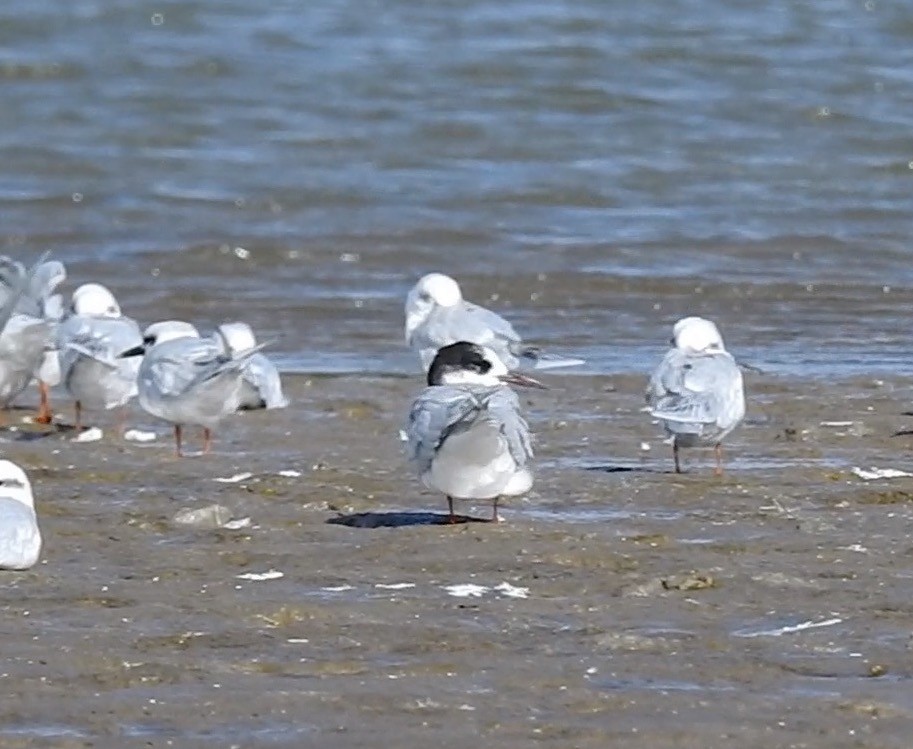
{"x":149,"y":340}
{"x":425,"y":296}
{"x":112,"y":310}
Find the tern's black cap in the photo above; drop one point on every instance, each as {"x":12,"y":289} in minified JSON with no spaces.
{"x":457,"y":356}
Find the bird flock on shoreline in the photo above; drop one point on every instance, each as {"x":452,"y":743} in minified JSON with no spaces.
{"x":465,"y":434}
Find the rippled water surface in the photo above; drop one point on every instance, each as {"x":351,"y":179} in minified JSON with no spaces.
{"x":751,"y":161}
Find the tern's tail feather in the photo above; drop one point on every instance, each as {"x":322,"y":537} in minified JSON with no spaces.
{"x":236,"y":362}
{"x":540,"y":361}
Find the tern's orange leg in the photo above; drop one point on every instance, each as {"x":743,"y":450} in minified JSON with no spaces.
{"x":719,"y":459}
{"x":45,"y":415}
{"x":177,"y":440}
{"x":207,"y":441}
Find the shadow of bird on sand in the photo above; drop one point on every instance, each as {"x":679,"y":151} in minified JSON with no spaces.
{"x":621,"y":469}
{"x":400,"y":519}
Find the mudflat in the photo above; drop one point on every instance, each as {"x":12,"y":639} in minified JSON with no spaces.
{"x":618,"y":605}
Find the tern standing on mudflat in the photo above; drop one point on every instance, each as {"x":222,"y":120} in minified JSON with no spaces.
{"x":90,"y":341}
{"x":39,"y":301}
{"x":26,"y":334}
{"x":437,"y":316}
{"x":466,"y":435}
{"x":697,"y":392}
{"x":185,"y":379}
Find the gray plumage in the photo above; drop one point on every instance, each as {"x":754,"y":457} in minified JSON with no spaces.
{"x":191,"y":380}
{"x":23,"y":343}
{"x":697,"y":392}
{"x":469,"y":322}
{"x":470,"y":442}
{"x":262,"y":386}
{"x":90,"y":366}
{"x":25,"y":338}
{"x":698,"y":398}
{"x":438,"y":316}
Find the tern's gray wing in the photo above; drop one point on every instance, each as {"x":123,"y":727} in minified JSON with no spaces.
{"x":504,"y":409}
{"x":178,"y":366}
{"x":470,"y":322}
{"x":492,"y":330}
{"x":11,"y":272}
{"x":666,"y":378}
{"x":39,"y":285}
{"x":436,"y":413}
{"x":466,"y":322}
{"x":39,"y":299}
{"x":101,"y":339}
{"x":14,"y":282}
{"x":690,"y":391}
{"x":263,"y":377}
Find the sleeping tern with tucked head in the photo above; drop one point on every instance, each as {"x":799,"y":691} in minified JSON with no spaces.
{"x":466,"y":435}
{"x":185,"y":379}
{"x":696,"y":391}
{"x":437,"y":315}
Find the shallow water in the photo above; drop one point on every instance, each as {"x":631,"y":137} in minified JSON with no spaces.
{"x":594,"y":171}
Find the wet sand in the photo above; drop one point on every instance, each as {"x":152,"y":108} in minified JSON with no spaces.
{"x":767,"y":608}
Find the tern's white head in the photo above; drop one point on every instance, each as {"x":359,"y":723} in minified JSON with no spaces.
{"x":95,"y":300}
{"x":168,"y":330}
{"x":236,"y":337}
{"x":14,"y":484}
{"x":432,"y":290}
{"x":696,"y":335}
{"x":470,"y":364}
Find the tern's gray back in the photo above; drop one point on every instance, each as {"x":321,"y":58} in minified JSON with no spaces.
{"x":466,"y":322}
{"x":442,"y":410}
{"x":191,"y":381}
{"x":176,"y":366}
{"x":106,"y":338}
{"x":697,"y":394}
{"x":90,"y":363}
